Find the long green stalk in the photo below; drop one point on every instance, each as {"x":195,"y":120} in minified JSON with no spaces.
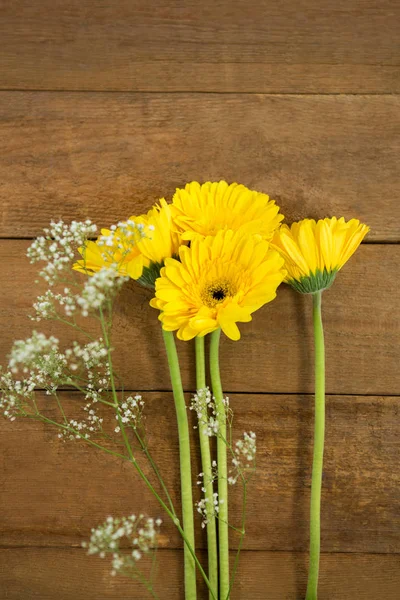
{"x":319,"y":435}
{"x":223,"y":527}
{"x":207,"y":473}
{"x":185,"y":466}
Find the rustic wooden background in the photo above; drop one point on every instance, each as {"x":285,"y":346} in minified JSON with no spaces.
{"x":105,"y":107}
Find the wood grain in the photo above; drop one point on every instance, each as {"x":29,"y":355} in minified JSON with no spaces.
{"x":275,"y":352}
{"x":106,"y":156}
{"x":292,"y":109}
{"x":262,"y":46}
{"x":53,"y":492}
{"x":70,"y":574}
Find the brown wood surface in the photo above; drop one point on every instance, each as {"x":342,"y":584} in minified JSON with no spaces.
{"x":107,"y":156}
{"x":29,"y":573}
{"x":104,"y":108}
{"x":53,"y":492}
{"x":361,"y":314}
{"x":257,"y":45}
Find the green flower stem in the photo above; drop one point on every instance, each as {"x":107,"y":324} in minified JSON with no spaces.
{"x":185,"y":466}
{"x":223,"y":527}
{"x":319,"y":434}
{"x":207,"y":473}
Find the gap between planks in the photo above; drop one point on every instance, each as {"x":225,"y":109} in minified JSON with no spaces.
{"x":196,"y":93}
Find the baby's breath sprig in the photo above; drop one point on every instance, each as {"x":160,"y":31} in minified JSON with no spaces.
{"x":140,"y":533}
{"x":243,"y":453}
{"x":130,"y":412}
{"x":57,"y":248}
{"x":203,"y":403}
{"x":208,"y":509}
{"x":244,"y":456}
{"x":40,"y":362}
{"x":97,"y":293}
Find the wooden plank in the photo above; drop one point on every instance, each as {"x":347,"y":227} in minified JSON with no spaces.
{"x":262,"y":46}
{"x":361,"y":314}
{"x":106,"y":156}
{"x":44,"y":572}
{"x":54,"y":492}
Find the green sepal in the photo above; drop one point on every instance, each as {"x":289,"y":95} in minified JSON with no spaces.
{"x":316,"y":282}
{"x":151,"y":273}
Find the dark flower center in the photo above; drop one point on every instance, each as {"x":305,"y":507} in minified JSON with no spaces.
{"x":218,"y":294}
{"x":217,"y":291}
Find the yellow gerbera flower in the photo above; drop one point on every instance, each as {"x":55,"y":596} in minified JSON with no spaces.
{"x":219,"y":281}
{"x":115,"y":248}
{"x":135,"y":248}
{"x":315,"y":251}
{"x":211,"y":207}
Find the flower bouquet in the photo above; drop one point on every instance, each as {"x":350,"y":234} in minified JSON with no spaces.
{"x":210,"y":259}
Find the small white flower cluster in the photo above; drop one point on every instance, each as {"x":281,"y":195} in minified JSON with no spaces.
{"x":130,"y":412}
{"x":214,"y":475}
{"x":122,"y":238}
{"x":15,"y":396}
{"x":42,"y":364}
{"x":203,"y":403}
{"x":24,"y":353}
{"x":82,"y":429}
{"x":58,"y":246}
{"x":245,"y":455}
{"x":92,"y":358}
{"x":45,"y":305}
{"x":92,"y":354}
{"x":141,"y":532}
{"x":98,"y":289}
{"x":40,"y":358}
{"x":208,"y":509}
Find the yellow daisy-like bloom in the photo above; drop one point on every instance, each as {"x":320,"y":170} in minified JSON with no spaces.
{"x":116,"y":249}
{"x":315,"y":251}
{"x":218,"y":282}
{"x":211,"y":207}
{"x":136,"y":248}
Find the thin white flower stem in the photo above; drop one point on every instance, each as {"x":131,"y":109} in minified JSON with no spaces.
{"x":61,"y":408}
{"x":145,"y":582}
{"x":223,"y":528}
{"x":76,"y":432}
{"x":156,"y":470}
{"x":242,"y":529}
{"x":242,"y":532}
{"x":172,"y":516}
{"x":108,"y":347}
{"x":75,"y":326}
{"x":207,"y":471}
{"x":81,"y":389}
{"x":188,"y":542}
{"x":153,"y":566}
{"x":189,"y":546}
{"x":175,"y":520}
{"x":319,"y":435}
{"x":185,"y":463}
